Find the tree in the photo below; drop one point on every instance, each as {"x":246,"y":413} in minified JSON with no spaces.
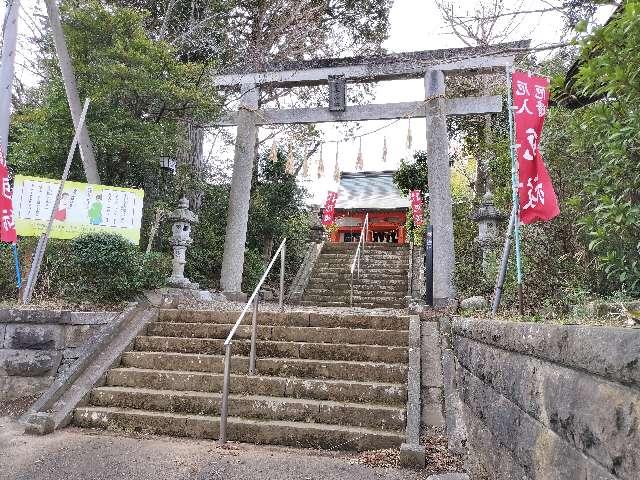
{"x":413,"y":176}
{"x":608,"y":133}
{"x":140,"y":96}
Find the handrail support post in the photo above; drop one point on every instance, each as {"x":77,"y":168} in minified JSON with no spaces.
{"x":254,"y":337}
{"x":224,"y":408}
{"x":282,"y":267}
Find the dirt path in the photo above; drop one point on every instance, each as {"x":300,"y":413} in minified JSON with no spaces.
{"x":73,"y":454}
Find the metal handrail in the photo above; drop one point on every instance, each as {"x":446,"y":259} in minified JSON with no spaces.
{"x":359,"y":252}
{"x":224,"y":408}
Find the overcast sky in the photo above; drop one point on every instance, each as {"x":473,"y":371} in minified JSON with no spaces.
{"x":415,"y":25}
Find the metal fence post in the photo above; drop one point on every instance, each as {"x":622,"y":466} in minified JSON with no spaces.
{"x":428,"y":266}
{"x":254,"y":335}
{"x":224,"y":409}
{"x":282,"y":261}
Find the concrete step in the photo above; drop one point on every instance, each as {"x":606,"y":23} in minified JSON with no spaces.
{"x":210,"y":380}
{"x":297,"y":434}
{"x":382,"y":268}
{"x":278,"y":333}
{"x":264,"y":407}
{"x":359,"y":292}
{"x":287,"y":367}
{"x":346,"y":303}
{"x":273,"y":349}
{"x":362,"y":282}
{"x":364,"y":275}
{"x":304,"y":319}
{"x":361,"y":298}
{"x":369,"y":259}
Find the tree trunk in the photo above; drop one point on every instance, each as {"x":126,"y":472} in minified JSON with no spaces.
{"x":192,"y":155}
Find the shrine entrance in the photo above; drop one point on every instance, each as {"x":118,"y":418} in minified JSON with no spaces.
{"x":432,"y":65}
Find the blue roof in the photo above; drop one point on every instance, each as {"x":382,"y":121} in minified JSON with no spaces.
{"x":370,"y":191}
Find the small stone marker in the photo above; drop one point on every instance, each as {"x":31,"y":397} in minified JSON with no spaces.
{"x":474,"y":303}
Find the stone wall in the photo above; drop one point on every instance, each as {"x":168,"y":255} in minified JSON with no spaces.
{"x":38,"y":345}
{"x":431,"y":392}
{"x":301,"y":280}
{"x":417,"y":286}
{"x":547,"y":401}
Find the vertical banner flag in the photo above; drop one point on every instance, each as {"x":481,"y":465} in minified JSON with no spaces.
{"x":329,"y":213}
{"x":538,"y":200}
{"x":7,"y":225}
{"x":416,"y":207}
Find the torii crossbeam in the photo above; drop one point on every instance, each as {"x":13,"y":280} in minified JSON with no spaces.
{"x":432,"y":65}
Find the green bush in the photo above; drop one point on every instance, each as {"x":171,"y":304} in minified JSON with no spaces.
{"x":7,"y":273}
{"x":99,"y":268}
{"x":108,"y":268}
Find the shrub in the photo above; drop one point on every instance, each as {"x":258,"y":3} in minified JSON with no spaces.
{"x":107,"y":268}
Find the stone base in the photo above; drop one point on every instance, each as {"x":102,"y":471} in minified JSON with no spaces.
{"x":182,"y":282}
{"x":239,"y":297}
{"x":171,"y":297}
{"x":449,"y":476}
{"x":39,"y":423}
{"x":412,"y":455}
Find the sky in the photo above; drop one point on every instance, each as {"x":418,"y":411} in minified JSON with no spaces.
{"x":415,"y":25}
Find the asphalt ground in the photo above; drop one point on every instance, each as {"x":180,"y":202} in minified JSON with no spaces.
{"x":79,"y":454}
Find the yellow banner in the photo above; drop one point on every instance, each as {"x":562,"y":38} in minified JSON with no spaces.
{"x":83,"y":208}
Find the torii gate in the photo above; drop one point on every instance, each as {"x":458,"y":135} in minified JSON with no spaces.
{"x":433,"y":65}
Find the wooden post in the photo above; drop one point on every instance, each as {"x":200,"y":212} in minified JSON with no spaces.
{"x":440,"y":202}
{"x":239,"y":197}
{"x":71,"y":89}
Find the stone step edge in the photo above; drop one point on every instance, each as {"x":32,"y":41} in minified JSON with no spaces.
{"x":362,"y":363}
{"x":93,"y":413}
{"x":236,"y":396}
{"x":301,"y":379}
{"x":246,"y":340}
{"x":243,"y":324}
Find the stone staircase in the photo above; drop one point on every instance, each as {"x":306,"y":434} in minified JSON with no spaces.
{"x":383,"y":281}
{"x":324,"y":381}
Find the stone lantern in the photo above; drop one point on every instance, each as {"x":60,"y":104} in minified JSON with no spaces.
{"x":182,"y":219}
{"x":488,"y":219}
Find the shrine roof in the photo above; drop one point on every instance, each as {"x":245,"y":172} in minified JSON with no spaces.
{"x":370,"y":191}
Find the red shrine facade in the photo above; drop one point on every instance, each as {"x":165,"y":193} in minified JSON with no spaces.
{"x":372,"y":193}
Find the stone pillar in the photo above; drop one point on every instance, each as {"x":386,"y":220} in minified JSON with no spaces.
{"x":440,"y":204}
{"x":238,"y":215}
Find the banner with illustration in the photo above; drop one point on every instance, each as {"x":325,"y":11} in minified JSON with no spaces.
{"x":83,"y":208}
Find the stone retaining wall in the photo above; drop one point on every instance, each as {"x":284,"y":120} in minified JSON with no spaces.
{"x":547,"y":402}
{"x":38,"y":345}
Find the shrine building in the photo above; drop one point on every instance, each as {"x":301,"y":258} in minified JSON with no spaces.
{"x":374,"y":193}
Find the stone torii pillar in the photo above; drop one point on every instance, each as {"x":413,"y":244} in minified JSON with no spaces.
{"x":239,"y":197}
{"x":439,"y":177}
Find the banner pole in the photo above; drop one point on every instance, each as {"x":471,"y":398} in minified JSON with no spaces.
{"x":504,"y":263}
{"x":42,"y":243}
{"x":514,"y":187}
{"x":16,"y":258}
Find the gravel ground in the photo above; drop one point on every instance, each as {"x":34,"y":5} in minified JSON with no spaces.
{"x":74,"y":454}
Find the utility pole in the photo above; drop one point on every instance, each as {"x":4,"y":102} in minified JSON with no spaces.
{"x":86,"y":148}
{"x":10,"y":35}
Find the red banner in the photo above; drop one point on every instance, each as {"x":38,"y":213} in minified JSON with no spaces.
{"x":416,"y":207}
{"x":538,"y":200}
{"x":329,"y":213}
{"x":7,"y":225}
